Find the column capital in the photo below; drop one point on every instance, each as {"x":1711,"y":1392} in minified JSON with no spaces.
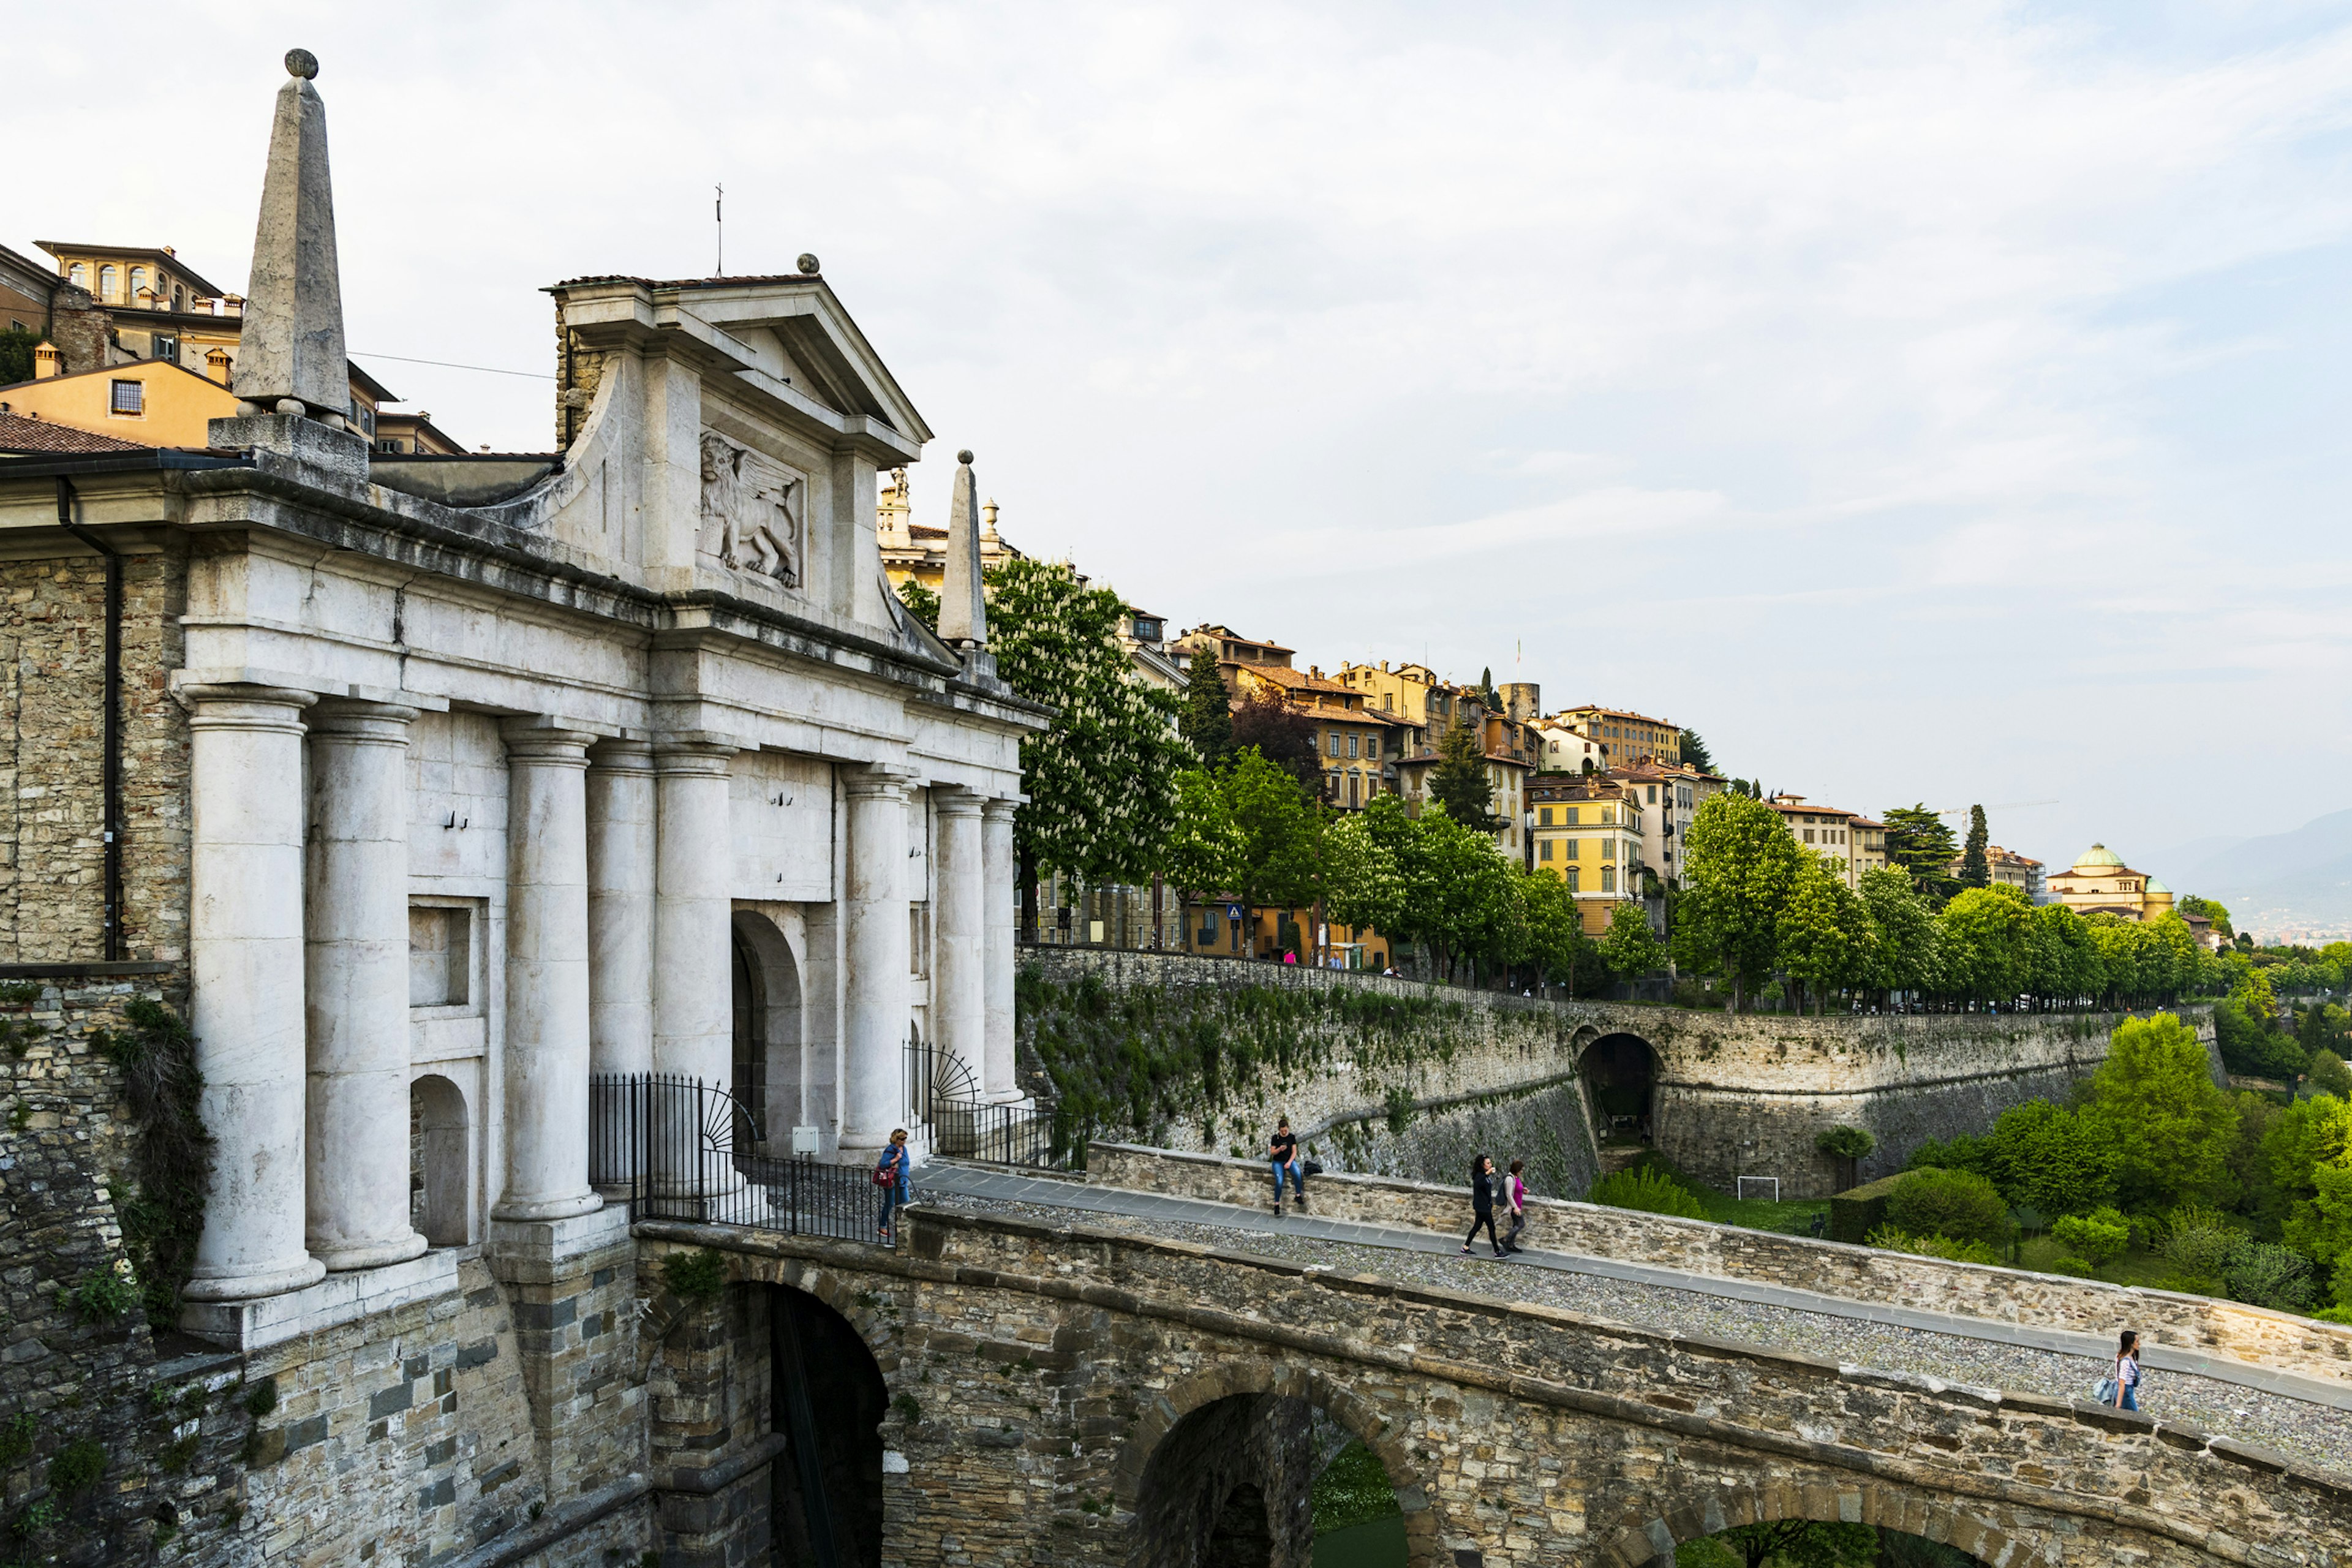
{"x":955,"y":800}
{"x":243,"y":706}
{"x":997,"y":809}
{"x":878,"y":782}
{"x":364,"y":720}
{"x":693,"y":754}
{"x":623,"y":756}
{"x":539,"y":740}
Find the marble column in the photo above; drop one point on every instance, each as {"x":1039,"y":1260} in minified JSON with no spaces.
{"x":959,"y":963}
{"x":620,"y":934}
{"x":876,"y":1015}
{"x":1001,"y":895}
{"x":694,"y":1011}
{"x":246,"y":961}
{"x":356,"y":986}
{"x":546,"y":1079}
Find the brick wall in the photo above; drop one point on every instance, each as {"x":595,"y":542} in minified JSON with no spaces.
{"x":1858,"y":1273}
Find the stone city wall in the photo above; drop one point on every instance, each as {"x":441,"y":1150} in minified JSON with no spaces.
{"x":2167,"y":1320}
{"x":1035,"y":1371}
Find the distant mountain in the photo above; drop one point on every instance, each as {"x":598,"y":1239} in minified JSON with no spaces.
{"x":2283,"y":883}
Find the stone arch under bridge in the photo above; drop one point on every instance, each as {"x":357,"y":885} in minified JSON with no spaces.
{"x":1035,"y":1372}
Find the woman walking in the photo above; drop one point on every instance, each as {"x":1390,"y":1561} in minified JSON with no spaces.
{"x":1482,"y":1204}
{"x":890,"y":1176}
{"x":1515,"y":1192}
{"x":2126,"y":1377}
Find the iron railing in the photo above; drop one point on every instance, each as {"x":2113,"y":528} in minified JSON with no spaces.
{"x":943,"y":1099}
{"x":678,"y":1148}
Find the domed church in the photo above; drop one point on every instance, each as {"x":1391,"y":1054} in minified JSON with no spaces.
{"x":2100,"y":880}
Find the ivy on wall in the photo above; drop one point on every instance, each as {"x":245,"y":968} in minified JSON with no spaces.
{"x":171,"y":1157}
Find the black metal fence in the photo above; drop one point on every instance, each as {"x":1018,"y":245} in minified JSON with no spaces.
{"x":679,"y":1148}
{"x":943,"y":1099}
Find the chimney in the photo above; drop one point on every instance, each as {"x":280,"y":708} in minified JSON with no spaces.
{"x":216,"y":363}
{"x":963,"y":614}
{"x":47,"y":362}
{"x":291,"y":359}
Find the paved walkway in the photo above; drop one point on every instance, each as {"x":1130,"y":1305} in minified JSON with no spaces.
{"x":1157,"y":1212}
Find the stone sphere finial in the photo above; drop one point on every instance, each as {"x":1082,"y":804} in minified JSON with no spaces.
{"x":964,"y":456}
{"x":302,"y":63}
{"x":807,"y":263}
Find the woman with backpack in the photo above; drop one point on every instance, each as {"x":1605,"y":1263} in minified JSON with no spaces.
{"x":2122,"y":1388}
{"x":1482,"y":1204}
{"x":891,"y":1174}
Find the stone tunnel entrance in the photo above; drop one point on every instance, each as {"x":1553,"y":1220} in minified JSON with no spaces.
{"x":1243,"y":1482}
{"x":1620,"y":1074}
{"x":827,"y":1505}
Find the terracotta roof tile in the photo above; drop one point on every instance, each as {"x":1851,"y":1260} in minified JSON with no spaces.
{"x":21,"y":434}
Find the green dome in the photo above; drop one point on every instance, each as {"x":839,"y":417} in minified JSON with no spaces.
{"x":2097,"y":857}
{"x":2156,"y":887}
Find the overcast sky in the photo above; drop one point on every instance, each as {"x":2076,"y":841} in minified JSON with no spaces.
{"x":1937,"y":402}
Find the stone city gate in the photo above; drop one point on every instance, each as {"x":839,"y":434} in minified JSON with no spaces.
{"x":1070,"y":1396}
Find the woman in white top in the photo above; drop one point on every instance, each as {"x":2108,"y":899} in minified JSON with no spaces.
{"x":2127,"y":1371}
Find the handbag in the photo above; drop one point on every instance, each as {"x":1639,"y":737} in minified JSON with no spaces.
{"x":886,"y":1174}
{"x":1312,"y":1167}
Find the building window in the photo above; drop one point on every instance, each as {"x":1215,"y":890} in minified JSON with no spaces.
{"x":1574,"y":872}
{"x":1608,"y":849}
{"x":109,"y":284}
{"x":1543,"y":816}
{"x":1335,"y":743}
{"x":1809,"y":835}
{"x":1145,"y":630}
{"x":167,"y":349}
{"x":179,"y":299}
{"x":138,"y":281}
{"x":1372,"y":746}
{"x":77,"y":275}
{"x":129,"y":397}
{"x":1608,"y":879}
{"x":1654,"y":794}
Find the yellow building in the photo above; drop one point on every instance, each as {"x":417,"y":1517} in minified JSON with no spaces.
{"x":918,"y":552}
{"x":2100,"y":880}
{"x":1356,"y":744}
{"x":1588,"y":831}
{"x":163,"y":403}
{"x":1830,"y":833}
{"x":1625,"y":738}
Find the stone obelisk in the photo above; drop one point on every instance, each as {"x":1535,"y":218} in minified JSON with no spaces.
{"x":963,"y":613}
{"x":291,"y":356}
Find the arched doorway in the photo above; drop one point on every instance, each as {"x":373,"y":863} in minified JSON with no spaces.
{"x":1265,"y":1480}
{"x":1621,"y":1074}
{"x":440,"y":1161}
{"x":826,"y":1488}
{"x":767,"y":1069}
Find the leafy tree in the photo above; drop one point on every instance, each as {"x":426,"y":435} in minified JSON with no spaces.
{"x":1741,"y":864}
{"x":1101,"y":781}
{"x":17,"y":346}
{"x":1783,"y":1544}
{"x":2065,"y":957}
{"x":1976,"y":869}
{"x":1846,"y":1145}
{"x":1491,"y":700}
{"x":2169,"y":1124}
{"x":2098,"y":1237}
{"x":1906,"y":956}
{"x":2056,"y":1160}
{"x":1959,"y":1205}
{"x":1921,"y":843}
{"x":1556,"y":940}
{"x":1629,"y":947}
{"x":2309,"y":1150}
{"x":1461,"y":896}
{"x":2321,"y":1027}
{"x":2330,"y":1075}
{"x":1204,"y":844}
{"x":1981,"y":935}
{"x":921,"y":604}
{"x":1275,"y":825}
{"x":1694,"y":752}
{"x":2213,"y":911}
{"x":1459,"y":781}
{"x":1362,"y":885}
{"x":1824,"y":933}
{"x":1283,"y":735}
{"x":1208,"y":717}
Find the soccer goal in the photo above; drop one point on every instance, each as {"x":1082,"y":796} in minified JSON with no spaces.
{"x":1766,"y":1187}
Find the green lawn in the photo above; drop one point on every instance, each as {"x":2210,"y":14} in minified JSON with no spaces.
{"x":1793,"y":1216}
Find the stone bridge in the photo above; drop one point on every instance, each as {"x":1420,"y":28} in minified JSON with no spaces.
{"x":1056,"y":1394}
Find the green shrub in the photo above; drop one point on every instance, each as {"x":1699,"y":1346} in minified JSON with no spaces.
{"x":1846,"y":1142}
{"x":2078,"y":1266}
{"x":2199,"y":1242}
{"x":2262,"y":1275}
{"x":77,"y":1467}
{"x":1647,"y":1192}
{"x":697,"y":1276}
{"x":1891,"y":1239}
{"x":2101,"y":1236}
{"x":17,"y":1434}
{"x":104,"y":1296}
{"x":2329,"y":1074}
{"x":1959,"y":1205}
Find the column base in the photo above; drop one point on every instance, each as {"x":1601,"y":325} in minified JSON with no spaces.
{"x":298,"y":1275}
{"x":530,"y":1211}
{"x":340,"y":1259}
